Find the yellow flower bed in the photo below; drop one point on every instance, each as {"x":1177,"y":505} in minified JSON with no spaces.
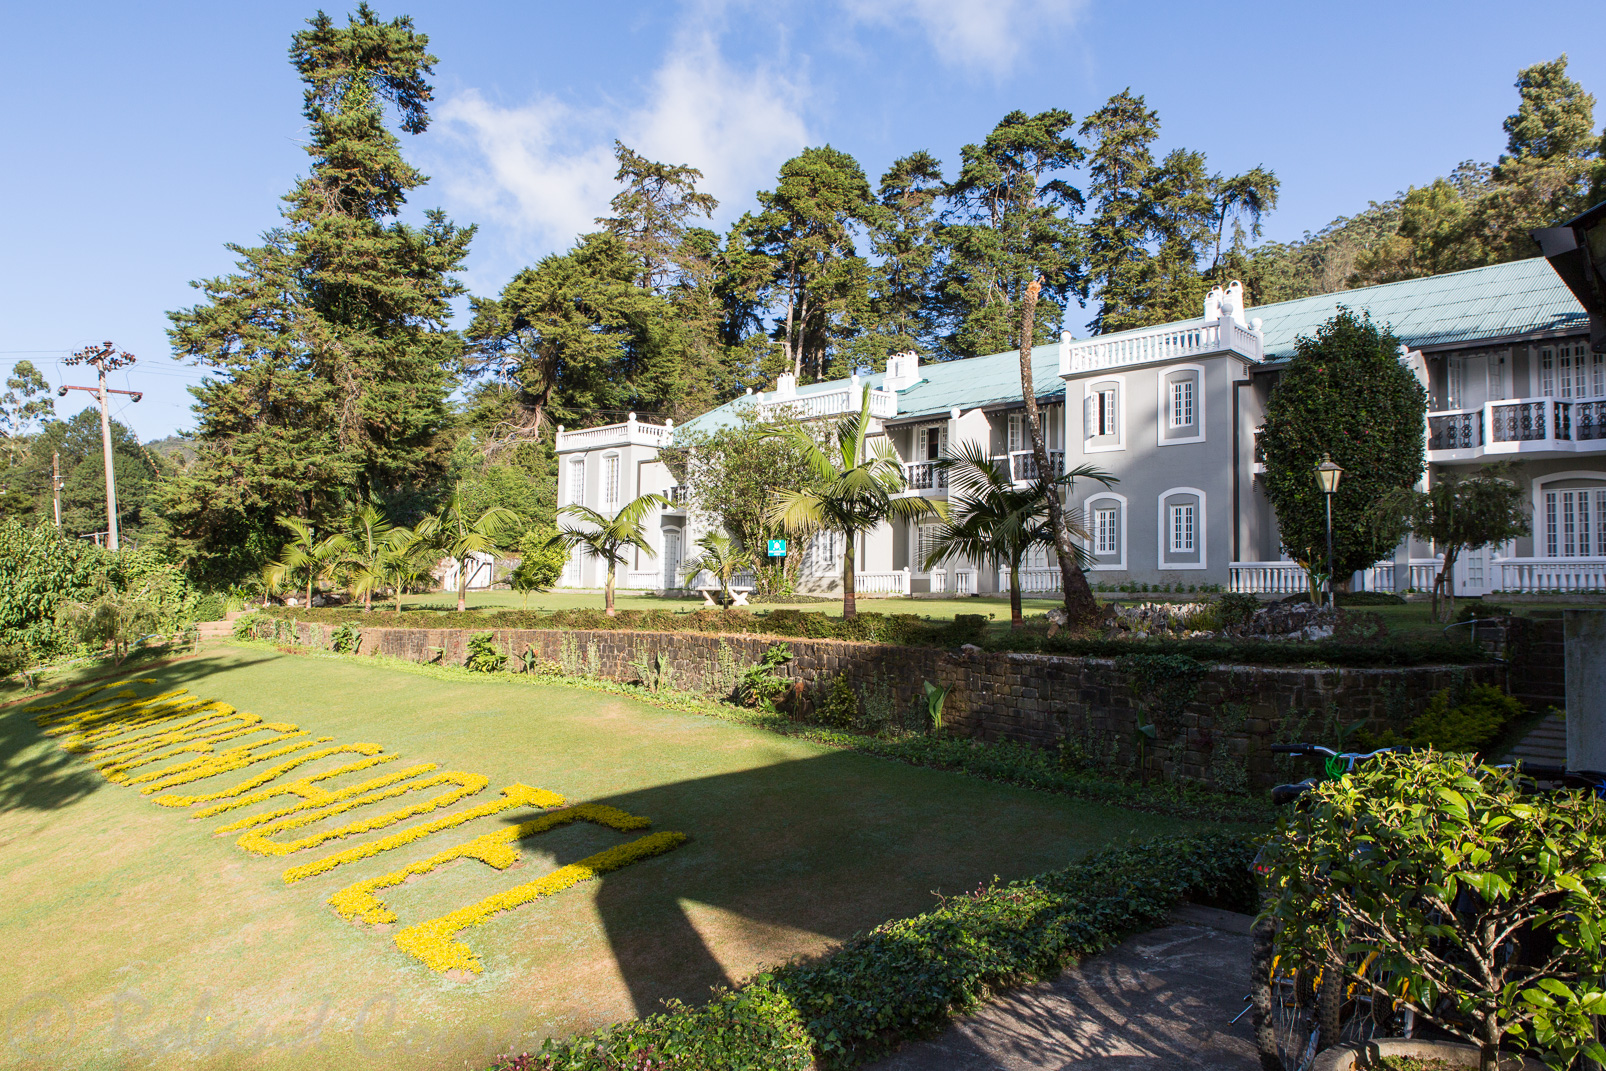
{"x":187,"y":738}
{"x":271,"y":774}
{"x":512,"y":796}
{"x":432,"y":941}
{"x":260,"y":842}
{"x":311,"y":795}
{"x":493,"y":849}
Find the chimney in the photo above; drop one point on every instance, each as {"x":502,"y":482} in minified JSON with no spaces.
{"x":903,"y":370}
{"x":786,"y":385}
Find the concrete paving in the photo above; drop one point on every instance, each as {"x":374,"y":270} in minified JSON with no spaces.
{"x":1163,"y":999}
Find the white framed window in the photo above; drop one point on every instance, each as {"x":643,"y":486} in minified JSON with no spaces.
{"x":1455,"y":382}
{"x":1103,"y":415}
{"x":1016,"y":434}
{"x":1547,"y":372}
{"x":1181,"y":404}
{"x":1597,"y":374}
{"x":610,"y":482}
{"x":925,"y":543}
{"x":1570,"y":521}
{"x":1182,"y":522}
{"x":1182,"y":529}
{"x":1106,"y":513}
{"x":1104,"y":530}
{"x":577,"y":482}
{"x":930,"y":442}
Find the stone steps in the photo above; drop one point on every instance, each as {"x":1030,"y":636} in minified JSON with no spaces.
{"x":1545,"y":744}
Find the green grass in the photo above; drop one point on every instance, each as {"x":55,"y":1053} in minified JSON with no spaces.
{"x":131,"y":934}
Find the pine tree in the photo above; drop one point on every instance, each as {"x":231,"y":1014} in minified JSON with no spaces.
{"x":818,"y":283}
{"x":904,"y":241}
{"x":1009,"y":222}
{"x":331,"y":342}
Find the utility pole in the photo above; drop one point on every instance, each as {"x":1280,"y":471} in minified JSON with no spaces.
{"x":55,"y":483}
{"x":104,"y":358}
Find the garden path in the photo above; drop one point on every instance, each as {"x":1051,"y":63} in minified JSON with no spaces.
{"x":1163,"y":999}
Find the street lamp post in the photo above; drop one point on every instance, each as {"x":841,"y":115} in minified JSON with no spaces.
{"x":1327,"y":474}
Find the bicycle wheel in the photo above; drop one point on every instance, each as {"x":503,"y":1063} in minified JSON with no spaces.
{"x":1292,"y":1006}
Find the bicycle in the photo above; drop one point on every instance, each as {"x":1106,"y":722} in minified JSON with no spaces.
{"x":1298,"y":1013}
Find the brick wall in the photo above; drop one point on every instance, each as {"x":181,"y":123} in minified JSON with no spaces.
{"x":1213,"y":727}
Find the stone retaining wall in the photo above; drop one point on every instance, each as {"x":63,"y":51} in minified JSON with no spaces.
{"x":1213,"y":726}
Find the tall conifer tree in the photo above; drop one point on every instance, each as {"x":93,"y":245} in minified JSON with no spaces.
{"x":333,"y":357}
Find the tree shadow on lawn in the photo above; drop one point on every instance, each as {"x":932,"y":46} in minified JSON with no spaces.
{"x":826,"y":846}
{"x":36,"y":774}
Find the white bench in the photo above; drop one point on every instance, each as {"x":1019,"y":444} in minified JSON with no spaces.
{"x":738,"y":592}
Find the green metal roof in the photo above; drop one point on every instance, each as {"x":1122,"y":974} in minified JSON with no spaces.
{"x":1498,"y":301}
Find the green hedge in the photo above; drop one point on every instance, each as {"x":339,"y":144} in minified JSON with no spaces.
{"x":910,"y":629}
{"x":907,"y":978}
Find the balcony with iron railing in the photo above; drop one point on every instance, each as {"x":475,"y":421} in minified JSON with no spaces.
{"x":1023,"y":464}
{"x":925,"y":476}
{"x":1518,"y":426}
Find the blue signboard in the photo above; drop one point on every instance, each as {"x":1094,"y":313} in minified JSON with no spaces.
{"x":777,"y":548}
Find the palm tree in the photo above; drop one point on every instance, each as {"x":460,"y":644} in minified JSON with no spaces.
{"x":609,"y":537}
{"x":370,"y":540}
{"x":451,"y":531}
{"x":990,"y":519}
{"x":406,"y":563}
{"x":304,"y":555}
{"x":856,"y":485}
{"x":721,"y":556}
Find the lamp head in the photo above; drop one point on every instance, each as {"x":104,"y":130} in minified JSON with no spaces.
{"x":1327,"y":474}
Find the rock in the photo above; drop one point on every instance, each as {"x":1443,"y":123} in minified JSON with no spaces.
{"x":1057,"y":619}
{"x":970,"y":650}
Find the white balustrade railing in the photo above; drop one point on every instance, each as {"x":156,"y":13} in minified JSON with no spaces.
{"x":964,"y":581}
{"x":1040,"y":581}
{"x":644,"y":579}
{"x":1267,"y":578}
{"x":824,"y":403}
{"x":1550,"y":574}
{"x":1166,"y":343}
{"x":895,"y":582}
{"x":1521,"y":425}
{"x":630,"y":433}
{"x":961,"y":580}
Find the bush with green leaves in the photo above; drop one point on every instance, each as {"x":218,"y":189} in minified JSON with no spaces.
{"x":345,"y":639}
{"x":39,"y":570}
{"x":839,"y":709}
{"x":1464,"y":719}
{"x":759,"y":686}
{"x":485,"y":655}
{"x":115,"y":619}
{"x":1480,"y":898}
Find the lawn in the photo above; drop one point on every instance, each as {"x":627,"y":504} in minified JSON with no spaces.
{"x":134,"y":934}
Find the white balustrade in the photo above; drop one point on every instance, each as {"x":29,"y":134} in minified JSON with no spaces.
{"x":630,"y":433}
{"x":1267,"y":578}
{"x":824,"y":403}
{"x":1519,"y":426}
{"x":644,"y":579}
{"x":895,"y":582}
{"x":964,"y":581}
{"x":1551,"y":574}
{"x":1166,"y":343}
{"x":1041,"y":581}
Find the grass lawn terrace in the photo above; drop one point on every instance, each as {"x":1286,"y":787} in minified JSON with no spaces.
{"x":135,"y":934}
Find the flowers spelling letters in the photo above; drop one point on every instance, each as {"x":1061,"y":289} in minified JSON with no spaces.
{"x":160,"y":741}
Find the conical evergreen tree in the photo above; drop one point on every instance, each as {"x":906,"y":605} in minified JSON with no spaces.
{"x":331,"y":342}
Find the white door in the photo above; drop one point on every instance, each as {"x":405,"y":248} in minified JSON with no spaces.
{"x":671,"y":557}
{"x":1472,"y":572}
{"x":571,"y":569}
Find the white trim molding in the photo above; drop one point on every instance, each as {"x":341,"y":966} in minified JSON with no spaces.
{"x":1088,"y":393}
{"x":1200,"y":527}
{"x":1163,"y":403}
{"x":1123,"y":522}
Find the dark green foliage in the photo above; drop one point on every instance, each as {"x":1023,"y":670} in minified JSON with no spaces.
{"x":839,"y":707}
{"x":1345,"y":393}
{"x":906,"y":978}
{"x":1459,"y":720}
{"x":760,"y":686}
{"x":1236,"y":608}
{"x":485,"y":655}
{"x":1010,"y":220}
{"x":14,"y":658}
{"x":329,"y":345}
{"x":83,"y":469}
{"x":210,"y":607}
{"x":345,"y":639}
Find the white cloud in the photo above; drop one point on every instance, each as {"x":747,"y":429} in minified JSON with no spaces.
{"x":544,"y":170}
{"x":982,"y":34}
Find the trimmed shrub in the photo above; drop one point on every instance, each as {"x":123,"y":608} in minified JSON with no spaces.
{"x":906,"y":978}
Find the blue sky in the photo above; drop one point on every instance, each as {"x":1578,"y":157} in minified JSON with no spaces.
{"x":142,"y":138}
